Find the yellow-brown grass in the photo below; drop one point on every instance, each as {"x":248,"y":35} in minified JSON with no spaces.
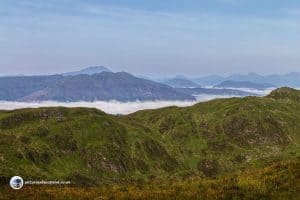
{"x":279,"y":181}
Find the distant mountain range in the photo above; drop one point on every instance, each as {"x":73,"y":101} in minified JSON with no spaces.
{"x":291,"y":79}
{"x":119,"y":86}
{"x":244,"y":84}
{"x":214,"y":91}
{"x":181,"y":83}
{"x":99,"y":83}
{"x":209,"y":80}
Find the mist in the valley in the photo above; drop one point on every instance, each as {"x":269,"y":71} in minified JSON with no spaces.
{"x":115,"y":107}
{"x":110,"y":107}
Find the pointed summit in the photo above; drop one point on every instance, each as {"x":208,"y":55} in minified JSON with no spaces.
{"x":88,"y":71}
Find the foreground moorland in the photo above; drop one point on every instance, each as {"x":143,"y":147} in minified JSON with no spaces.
{"x":226,"y":148}
{"x":278,"y":181}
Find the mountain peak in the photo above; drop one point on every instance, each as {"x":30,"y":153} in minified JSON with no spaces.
{"x":88,"y":71}
{"x":181,"y":83}
{"x":244,"y":84}
{"x":97,"y":68}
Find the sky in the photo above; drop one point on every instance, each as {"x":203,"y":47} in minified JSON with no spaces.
{"x":151,"y":37}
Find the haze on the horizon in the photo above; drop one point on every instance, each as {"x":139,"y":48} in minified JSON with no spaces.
{"x":156,"y":37}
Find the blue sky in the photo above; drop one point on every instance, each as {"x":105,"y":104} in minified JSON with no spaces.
{"x":154,"y":37}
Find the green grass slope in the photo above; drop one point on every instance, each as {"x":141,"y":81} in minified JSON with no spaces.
{"x":278,"y":181}
{"x":209,"y":139}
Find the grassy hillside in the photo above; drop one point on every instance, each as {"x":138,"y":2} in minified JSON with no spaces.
{"x":227,"y":134}
{"x":278,"y":181}
{"x":211,"y":139}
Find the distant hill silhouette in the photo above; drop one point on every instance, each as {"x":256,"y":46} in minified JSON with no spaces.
{"x":88,"y":71}
{"x":181,"y":83}
{"x":244,"y":84}
{"x":290,"y":79}
{"x":119,"y":86}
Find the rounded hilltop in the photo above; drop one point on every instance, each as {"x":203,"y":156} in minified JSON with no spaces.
{"x":285,"y":93}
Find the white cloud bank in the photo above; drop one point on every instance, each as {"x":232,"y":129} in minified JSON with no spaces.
{"x":111,"y":107}
{"x":117,"y":107}
{"x":254,"y":91}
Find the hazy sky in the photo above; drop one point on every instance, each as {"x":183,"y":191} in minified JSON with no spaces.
{"x":150,"y":37}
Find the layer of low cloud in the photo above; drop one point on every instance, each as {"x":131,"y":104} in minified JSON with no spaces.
{"x":117,"y":107}
{"x":254,"y":91}
{"x":110,"y":107}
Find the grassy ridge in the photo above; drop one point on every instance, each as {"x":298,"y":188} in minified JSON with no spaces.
{"x":211,"y":139}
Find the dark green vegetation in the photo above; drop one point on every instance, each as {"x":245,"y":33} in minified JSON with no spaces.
{"x":211,"y":139}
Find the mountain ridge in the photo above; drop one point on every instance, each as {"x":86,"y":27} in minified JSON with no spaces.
{"x":104,"y":86}
{"x":208,"y":139}
{"x":181,"y":83}
{"x":290,"y":79}
{"x":120,"y":86}
{"x":244,"y":84}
